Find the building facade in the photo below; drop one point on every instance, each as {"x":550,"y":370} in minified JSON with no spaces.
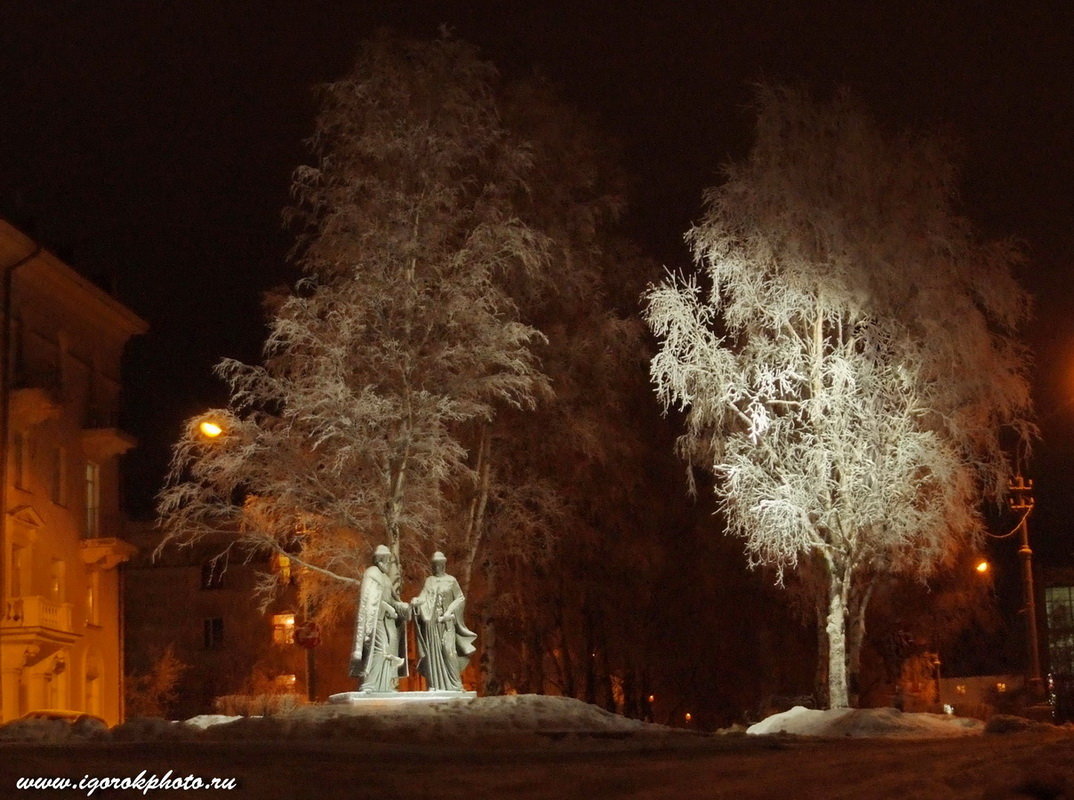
{"x":204,"y":610}
{"x":1059,"y":617}
{"x":61,"y":343}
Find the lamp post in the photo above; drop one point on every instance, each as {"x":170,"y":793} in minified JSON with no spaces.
{"x":1021,"y":500}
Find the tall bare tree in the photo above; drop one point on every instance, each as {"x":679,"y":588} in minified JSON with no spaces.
{"x":846,"y":355}
{"x":399,"y":335}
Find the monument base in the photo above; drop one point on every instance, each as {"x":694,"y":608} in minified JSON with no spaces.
{"x":397,"y":698}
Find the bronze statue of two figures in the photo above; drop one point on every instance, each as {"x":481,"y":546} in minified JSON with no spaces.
{"x":444,"y":642}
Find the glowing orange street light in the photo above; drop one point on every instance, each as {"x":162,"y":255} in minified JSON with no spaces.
{"x":983,"y":566}
{"x":210,"y":429}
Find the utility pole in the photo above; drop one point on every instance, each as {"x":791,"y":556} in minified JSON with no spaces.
{"x":1022,"y":501}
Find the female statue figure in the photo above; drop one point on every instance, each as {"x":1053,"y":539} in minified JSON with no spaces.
{"x":444,"y":642}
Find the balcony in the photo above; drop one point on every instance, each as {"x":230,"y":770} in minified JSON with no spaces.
{"x":32,"y":405}
{"x":103,"y":443}
{"x":106,"y":552}
{"x":36,"y":620}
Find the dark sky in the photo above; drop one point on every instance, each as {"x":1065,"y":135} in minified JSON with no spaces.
{"x":152,"y":143}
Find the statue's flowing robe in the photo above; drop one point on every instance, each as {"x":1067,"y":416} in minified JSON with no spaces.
{"x":444,"y":647}
{"x":379,"y":656}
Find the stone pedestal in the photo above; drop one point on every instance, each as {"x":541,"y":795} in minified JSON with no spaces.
{"x":397,"y":698}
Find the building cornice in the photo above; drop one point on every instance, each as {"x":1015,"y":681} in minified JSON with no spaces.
{"x":60,"y":280}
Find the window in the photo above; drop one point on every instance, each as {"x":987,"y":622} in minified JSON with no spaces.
{"x":286,"y":683}
{"x":283,"y":628}
{"x":18,"y":567}
{"x":212,"y":575}
{"x":281,"y":565}
{"x":20,"y":447}
{"x":58,"y":481}
{"x":93,"y":500}
{"x":58,"y":578}
{"x":93,"y":590}
{"x":213,"y":629}
{"x":1059,"y":608}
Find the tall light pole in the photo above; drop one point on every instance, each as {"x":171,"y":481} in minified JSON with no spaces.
{"x":1021,"y":500}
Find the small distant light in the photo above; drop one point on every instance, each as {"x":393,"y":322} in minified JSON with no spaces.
{"x":982,"y":567}
{"x":286,"y":681}
{"x":689,"y":716}
{"x":652,"y":698}
{"x":1001,"y":687}
{"x":210,"y":429}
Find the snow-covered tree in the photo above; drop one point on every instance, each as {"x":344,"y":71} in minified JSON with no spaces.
{"x":399,"y":335}
{"x":845,"y":355}
{"x":542,"y":474}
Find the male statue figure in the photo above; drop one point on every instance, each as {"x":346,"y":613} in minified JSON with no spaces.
{"x":444,"y":642}
{"x":379,"y":657}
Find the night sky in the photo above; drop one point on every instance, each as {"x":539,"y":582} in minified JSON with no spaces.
{"x":150,"y":144}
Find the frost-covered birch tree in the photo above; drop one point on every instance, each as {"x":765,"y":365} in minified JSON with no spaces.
{"x":845,"y":354}
{"x":398,"y":336}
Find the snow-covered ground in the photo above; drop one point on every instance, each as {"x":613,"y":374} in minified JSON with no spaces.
{"x":866,"y":722}
{"x":536,"y":747}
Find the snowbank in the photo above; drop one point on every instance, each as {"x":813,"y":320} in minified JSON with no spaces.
{"x":478,"y":718}
{"x":488,"y":719}
{"x":866,"y":722}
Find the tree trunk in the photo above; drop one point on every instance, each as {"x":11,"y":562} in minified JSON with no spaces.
{"x":569,"y":687}
{"x":820,"y":675}
{"x":536,"y":666}
{"x":855,"y":639}
{"x":590,"y":644}
{"x":475,"y":523}
{"x":490,"y":678}
{"x":836,"y":628}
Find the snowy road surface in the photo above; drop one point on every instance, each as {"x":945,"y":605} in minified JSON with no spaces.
{"x":533,"y":749}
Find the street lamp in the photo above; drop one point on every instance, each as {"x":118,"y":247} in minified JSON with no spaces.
{"x":1021,"y":500}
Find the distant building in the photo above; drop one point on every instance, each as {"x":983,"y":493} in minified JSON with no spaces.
{"x":982,"y":695}
{"x":205,"y":610}
{"x":61,"y":343}
{"x":1059,"y":616}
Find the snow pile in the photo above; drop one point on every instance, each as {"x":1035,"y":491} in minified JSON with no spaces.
{"x":488,"y":720}
{"x":152,"y":729}
{"x":866,"y":722}
{"x":203,"y":721}
{"x":52,"y":731}
{"x":479,"y":718}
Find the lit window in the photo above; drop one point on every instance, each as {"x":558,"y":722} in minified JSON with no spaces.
{"x":960,"y":689}
{"x":92,"y":600}
{"x":283,"y":628}
{"x":286,"y":682}
{"x":281,"y":565}
{"x":58,"y":578}
{"x":1001,"y":687}
{"x":93,"y":500}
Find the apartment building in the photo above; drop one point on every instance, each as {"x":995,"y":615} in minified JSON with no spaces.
{"x":61,"y":343}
